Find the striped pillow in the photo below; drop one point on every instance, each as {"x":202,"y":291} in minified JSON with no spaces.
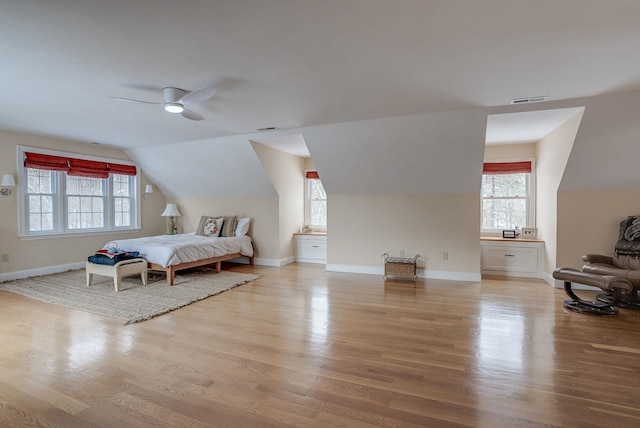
{"x":229,"y":226}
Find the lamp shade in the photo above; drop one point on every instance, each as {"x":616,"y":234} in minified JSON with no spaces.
{"x":171,"y":211}
{"x":7,"y":181}
{"x":148,"y":188}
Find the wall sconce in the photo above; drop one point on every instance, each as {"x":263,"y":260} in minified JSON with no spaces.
{"x":148,"y":190}
{"x":171,"y":211}
{"x":6,"y":184}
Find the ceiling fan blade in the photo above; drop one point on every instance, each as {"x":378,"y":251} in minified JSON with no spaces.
{"x":192,"y":115}
{"x":199,"y":95}
{"x":128,"y":100}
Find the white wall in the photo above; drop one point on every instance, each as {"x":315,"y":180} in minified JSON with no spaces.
{"x":363,"y":227}
{"x":263,"y":211}
{"x":496,"y":152}
{"x":552,"y":154}
{"x":286,"y":172}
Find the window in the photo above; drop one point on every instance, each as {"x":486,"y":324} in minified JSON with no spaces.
{"x":507,"y":196}
{"x":61,"y":194}
{"x":315,"y":213}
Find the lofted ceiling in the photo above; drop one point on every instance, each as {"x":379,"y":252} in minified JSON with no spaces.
{"x":293,"y":64}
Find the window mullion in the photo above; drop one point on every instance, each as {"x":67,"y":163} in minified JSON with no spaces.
{"x":60,"y":203}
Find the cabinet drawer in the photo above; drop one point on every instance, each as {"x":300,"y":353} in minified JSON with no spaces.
{"x":510,"y":259}
{"x":311,"y":249}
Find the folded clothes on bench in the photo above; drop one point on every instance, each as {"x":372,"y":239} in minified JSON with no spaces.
{"x":112,"y":259}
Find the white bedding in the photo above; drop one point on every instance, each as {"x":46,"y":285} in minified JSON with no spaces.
{"x":167,"y":250}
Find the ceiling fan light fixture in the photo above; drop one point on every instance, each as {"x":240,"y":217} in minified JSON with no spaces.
{"x":174,"y":107}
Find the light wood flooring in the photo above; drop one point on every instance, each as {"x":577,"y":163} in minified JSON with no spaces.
{"x":303,"y":347}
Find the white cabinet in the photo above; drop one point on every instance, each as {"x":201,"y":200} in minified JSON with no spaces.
{"x":311,"y":248}
{"x":513,"y":257}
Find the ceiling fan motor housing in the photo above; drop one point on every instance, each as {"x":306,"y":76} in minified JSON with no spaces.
{"x":173,"y":95}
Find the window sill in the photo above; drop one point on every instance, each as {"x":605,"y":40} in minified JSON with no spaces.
{"x":500,"y":238}
{"x":76,"y":234}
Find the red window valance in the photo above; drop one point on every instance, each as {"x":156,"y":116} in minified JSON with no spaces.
{"x":495,"y":168}
{"x":312,"y":174}
{"x":77,"y":167}
{"x":48,"y":162}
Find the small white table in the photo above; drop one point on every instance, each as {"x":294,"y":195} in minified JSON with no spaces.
{"x":118,"y":271}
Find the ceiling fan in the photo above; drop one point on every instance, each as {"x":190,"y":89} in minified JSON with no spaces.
{"x":175,"y":100}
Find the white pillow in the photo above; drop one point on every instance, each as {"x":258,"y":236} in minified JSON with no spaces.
{"x":212,"y":227}
{"x":243,"y":226}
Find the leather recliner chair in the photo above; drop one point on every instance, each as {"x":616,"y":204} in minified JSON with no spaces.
{"x":625,"y":264}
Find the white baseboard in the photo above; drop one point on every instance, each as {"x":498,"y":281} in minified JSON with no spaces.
{"x":430,"y":274}
{"x":367,"y":270}
{"x":20,"y":274}
{"x":274,"y":262}
{"x":548,"y":278}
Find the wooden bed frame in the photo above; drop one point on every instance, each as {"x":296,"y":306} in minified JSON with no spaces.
{"x":171,"y":270}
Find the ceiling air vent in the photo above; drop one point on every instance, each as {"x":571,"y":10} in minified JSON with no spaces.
{"x":528,"y":100}
{"x":270,"y":128}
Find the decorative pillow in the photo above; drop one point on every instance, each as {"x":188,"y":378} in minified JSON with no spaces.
{"x":243,"y":226}
{"x":212,"y":227}
{"x":229,"y":226}
{"x":203,"y":220}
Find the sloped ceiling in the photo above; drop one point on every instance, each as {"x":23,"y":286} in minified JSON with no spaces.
{"x":436,"y":153}
{"x":294,"y":64}
{"x":216,"y":166}
{"x":606,"y":151}
{"x":364,"y":82}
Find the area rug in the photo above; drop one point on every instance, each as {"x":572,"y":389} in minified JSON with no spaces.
{"x":134,"y":302}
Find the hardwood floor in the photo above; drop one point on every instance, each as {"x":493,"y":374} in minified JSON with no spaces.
{"x":303,"y":347}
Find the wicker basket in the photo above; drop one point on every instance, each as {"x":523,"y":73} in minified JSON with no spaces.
{"x":400,"y":266}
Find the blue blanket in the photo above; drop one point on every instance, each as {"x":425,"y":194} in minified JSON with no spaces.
{"x":103,"y":259}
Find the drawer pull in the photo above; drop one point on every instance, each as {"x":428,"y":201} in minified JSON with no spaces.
{"x":315,"y":246}
{"x":509,"y":255}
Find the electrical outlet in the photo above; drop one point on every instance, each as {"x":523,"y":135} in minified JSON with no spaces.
{"x":401,"y":253}
{"x":445,"y":255}
{"x":4,"y":258}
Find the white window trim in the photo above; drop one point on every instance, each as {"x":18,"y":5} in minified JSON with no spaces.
{"x":62,"y":231}
{"x":307,"y":205}
{"x":531,"y":203}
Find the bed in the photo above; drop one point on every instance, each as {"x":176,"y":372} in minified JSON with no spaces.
{"x":171,"y":253}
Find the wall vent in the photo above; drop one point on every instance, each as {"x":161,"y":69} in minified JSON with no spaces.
{"x":529,"y":100}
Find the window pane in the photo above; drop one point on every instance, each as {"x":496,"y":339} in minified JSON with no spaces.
{"x":504,"y":185}
{"x":73,"y":204}
{"x":123,"y":200}
{"x":318,"y":213}
{"x":39,"y":181}
{"x":35,"y":205}
{"x":316,"y":190}
{"x":504,"y":213}
{"x":85,"y":203}
{"x":73,"y":220}
{"x":39,"y":200}
{"x":120,"y":185}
